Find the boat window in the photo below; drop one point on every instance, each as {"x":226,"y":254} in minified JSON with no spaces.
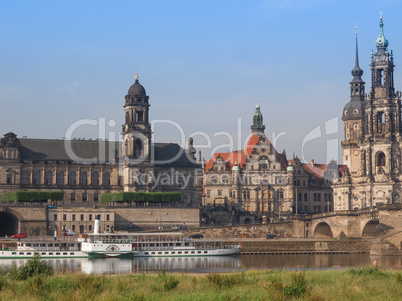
{"x":199,"y":252}
{"x":56,"y":245}
{"x":152,"y":252}
{"x":57,"y":253}
{"x":192,"y":252}
{"x":50,"y":253}
{"x":159,"y":252}
{"x":14,"y":253}
{"x":64,"y":253}
{"x":146,"y":253}
{"x":29,"y":253}
{"x":179,"y":252}
{"x":43,"y":253}
{"x":72,"y":253}
{"x":166,"y":252}
{"x":50,"y":245}
{"x":21,"y":253}
{"x":28,"y":245}
{"x":173,"y":252}
{"x":186,"y":252}
{"x":205,"y":252}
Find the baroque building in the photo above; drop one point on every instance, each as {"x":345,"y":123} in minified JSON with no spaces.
{"x":258,"y":183}
{"x":372,"y":129}
{"x":86,"y":169}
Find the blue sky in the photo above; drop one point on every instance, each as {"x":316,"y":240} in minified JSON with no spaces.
{"x":202,"y":63}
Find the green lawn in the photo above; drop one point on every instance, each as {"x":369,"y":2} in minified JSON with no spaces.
{"x":366,"y":283}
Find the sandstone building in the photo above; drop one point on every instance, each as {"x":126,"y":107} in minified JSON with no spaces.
{"x":86,"y":169}
{"x":372,"y":145}
{"x":258,"y":182}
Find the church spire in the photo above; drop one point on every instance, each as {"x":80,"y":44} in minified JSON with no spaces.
{"x":357,"y":83}
{"x":257,"y":126}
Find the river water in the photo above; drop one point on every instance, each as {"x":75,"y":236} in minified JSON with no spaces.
{"x":213,"y":264}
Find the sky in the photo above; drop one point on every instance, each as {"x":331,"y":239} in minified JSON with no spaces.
{"x":67,"y":65}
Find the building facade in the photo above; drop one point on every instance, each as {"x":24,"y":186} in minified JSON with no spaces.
{"x":87,"y":169}
{"x":262,"y":182}
{"x":372,"y":144}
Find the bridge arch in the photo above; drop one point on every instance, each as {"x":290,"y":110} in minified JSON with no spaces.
{"x":8,"y":223}
{"x":323,"y":230}
{"x":369,"y":229}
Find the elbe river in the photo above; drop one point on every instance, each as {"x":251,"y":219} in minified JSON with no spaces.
{"x":212,"y":264}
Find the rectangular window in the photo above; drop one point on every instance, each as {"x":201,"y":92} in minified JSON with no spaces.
{"x":107,"y":217}
{"x":72,"y":197}
{"x":315,"y":197}
{"x":55,"y":217}
{"x":96,"y":197}
{"x":208,"y":193}
{"x":305,"y":197}
{"x":90,"y":217}
{"x":299,"y":197}
{"x":82,"y":217}
{"x":319,"y":197}
{"x":64,"y":217}
{"x":73,"y":228}
{"x":90,"y":227}
{"x":73,"y":217}
{"x":219,"y":192}
{"x":9,"y":178}
{"x":84,"y":197}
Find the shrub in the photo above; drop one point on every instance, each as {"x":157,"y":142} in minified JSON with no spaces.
{"x":34,"y":266}
{"x":398,"y":278}
{"x":150,"y":197}
{"x":170,"y":283}
{"x":298,"y":285}
{"x":225,"y":281}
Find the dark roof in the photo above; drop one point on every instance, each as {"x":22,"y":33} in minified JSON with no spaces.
{"x":137,"y":90}
{"x":98,"y":151}
{"x":81,"y":151}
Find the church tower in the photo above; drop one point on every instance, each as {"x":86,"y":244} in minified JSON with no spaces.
{"x":372,"y":145}
{"x":137,"y":129}
{"x":383,"y":111}
{"x":353,"y":118}
{"x":258,"y":126}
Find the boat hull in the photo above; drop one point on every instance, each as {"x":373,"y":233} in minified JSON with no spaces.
{"x":187,"y":253}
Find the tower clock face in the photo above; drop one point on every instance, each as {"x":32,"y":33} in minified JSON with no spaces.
{"x":356,"y":152}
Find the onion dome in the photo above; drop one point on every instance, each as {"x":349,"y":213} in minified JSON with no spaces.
{"x":381,"y":41}
{"x":235,"y":167}
{"x":137,"y":90}
{"x":290,"y":168}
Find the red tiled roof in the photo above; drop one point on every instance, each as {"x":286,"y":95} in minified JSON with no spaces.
{"x":240,"y":157}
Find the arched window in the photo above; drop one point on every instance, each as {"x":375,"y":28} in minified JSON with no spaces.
{"x":138,"y":148}
{"x":49,"y":178}
{"x":25,"y":177}
{"x":106,"y":179}
{"x":381,"y":159}
{"x":37,"y":180}
{"x":95,"y":178}
{"x":72,"y":178}
{"x":84,"y":179}
{"x":60,"y":178}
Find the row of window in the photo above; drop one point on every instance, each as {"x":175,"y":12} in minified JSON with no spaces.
{"x":60,"y":178}
{"x":82,"y":217}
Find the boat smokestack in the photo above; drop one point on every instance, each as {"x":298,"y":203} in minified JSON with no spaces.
{"x":97,"y":224}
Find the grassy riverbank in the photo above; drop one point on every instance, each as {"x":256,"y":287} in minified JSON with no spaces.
{"x":366,"y":283}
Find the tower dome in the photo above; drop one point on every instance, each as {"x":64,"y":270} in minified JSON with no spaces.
{"x":381,"y":41}
{"x":137,"y":90}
